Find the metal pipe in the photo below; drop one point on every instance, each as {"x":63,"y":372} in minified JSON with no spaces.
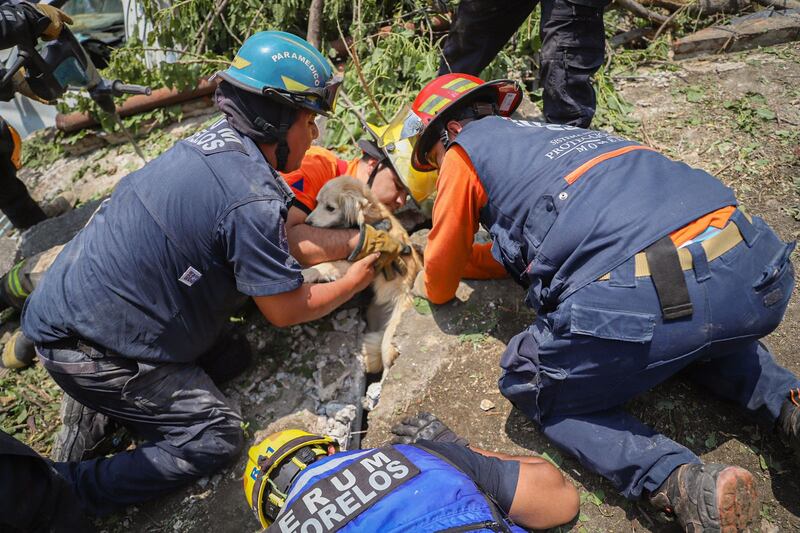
{"x":138,"y":104}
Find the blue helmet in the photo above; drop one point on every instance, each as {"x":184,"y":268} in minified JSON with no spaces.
{"x":286,"y":68}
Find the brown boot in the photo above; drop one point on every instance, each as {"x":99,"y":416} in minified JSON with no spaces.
{"x":709,"y":498}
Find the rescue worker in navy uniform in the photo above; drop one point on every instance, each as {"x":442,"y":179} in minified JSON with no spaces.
{"x":130,"y":305}
{"x":33,"y":496}
{"x":429,"y":480}
{"x":638,"y":267}
{"x":23,"y":21}
{"x":573,"y":46}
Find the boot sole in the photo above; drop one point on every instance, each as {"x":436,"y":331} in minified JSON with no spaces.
{"x":737,"y":499}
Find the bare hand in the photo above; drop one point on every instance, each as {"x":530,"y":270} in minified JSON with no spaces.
{"x":362,"y":272}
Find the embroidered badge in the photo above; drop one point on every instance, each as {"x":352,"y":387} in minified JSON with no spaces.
{"x":190,"y":277}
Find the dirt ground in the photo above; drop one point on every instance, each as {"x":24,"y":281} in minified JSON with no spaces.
{"x":736,"y":116}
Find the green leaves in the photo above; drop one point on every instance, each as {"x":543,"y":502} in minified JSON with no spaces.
{"x":422,"y":306}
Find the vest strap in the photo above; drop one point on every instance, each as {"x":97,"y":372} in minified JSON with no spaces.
{"x":668,"y":279}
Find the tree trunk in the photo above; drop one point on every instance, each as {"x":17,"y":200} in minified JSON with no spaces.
{"x":314,"y":35}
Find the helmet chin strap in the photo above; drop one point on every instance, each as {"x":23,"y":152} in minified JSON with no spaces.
{"x":374,"y":172}
{"x":282,"y":151}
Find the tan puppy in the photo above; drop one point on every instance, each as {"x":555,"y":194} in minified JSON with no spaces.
{"x":345,"y":202}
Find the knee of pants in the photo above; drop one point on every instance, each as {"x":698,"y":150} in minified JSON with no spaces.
{"x":211,"y":447}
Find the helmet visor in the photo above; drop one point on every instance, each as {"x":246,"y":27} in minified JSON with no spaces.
{"x":404,"y":125}
{"x":321,"y":99}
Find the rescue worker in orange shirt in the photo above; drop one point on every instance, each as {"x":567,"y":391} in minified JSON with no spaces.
{"x":638,"y":267}
{"x":385,"y":169}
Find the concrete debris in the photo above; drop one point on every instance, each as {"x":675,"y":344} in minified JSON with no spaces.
{"x":487,"y":405}
{"x":373,"y":396}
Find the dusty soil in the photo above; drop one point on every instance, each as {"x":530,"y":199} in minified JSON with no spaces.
{"x":736,"y":116}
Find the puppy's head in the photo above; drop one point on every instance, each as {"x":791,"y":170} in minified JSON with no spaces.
{"x":341,"y":203}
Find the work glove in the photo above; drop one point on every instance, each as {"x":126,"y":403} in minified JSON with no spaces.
{"x":57,"y":20}
{"x":21,"y":86}
{"x":373,"y":240}
{"x":425,"y":426}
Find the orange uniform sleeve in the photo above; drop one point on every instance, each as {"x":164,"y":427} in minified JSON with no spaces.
{"x":482,"y":264}
{"x":451,"y":253}
{"x":317,"y":168}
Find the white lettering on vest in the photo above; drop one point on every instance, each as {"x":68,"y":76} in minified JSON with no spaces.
{"x":314,"y":499}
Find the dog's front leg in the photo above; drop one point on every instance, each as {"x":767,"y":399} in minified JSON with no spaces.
{"x":325,"y":272}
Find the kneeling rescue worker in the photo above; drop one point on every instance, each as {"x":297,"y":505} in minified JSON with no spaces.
{"x":133,"y":305}
{"x":430,"y":480}
{"x":638,"y":267}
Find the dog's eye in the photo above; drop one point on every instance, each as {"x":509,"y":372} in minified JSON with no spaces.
{"x":330,"y":208}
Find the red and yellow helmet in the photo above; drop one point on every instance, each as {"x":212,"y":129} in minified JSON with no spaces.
{"x":450,"y":92}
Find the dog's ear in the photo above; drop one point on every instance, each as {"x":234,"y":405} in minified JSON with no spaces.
{"x":372,"y":210}
{"x":351,"y":203}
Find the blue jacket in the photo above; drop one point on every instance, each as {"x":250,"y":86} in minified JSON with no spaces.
{"x":178,"y":247}
{"x":396,"y":488}
{"x":567,"y":205}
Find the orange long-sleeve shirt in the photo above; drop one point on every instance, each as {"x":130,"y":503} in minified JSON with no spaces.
{"x":452,"y":255}
{"x":317,"y":168}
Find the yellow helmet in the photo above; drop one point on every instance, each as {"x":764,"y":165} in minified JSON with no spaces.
{"x":420,"y":184}
{"x":273,"y":464}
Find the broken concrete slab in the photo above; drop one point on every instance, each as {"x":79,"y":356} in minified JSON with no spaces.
{"x":764,"y":28}
{"x":484,"y":316}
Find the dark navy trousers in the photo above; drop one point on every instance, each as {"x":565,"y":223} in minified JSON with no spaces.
{"x":574,"y":368}
{"x":573,"y":46}
{"x":189,"y":427}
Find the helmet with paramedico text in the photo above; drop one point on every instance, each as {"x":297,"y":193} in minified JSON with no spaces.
{"x":286,"y":68}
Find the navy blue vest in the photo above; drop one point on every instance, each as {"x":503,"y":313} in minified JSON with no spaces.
{"x":398,"y":488}
{"x":567,"y":205}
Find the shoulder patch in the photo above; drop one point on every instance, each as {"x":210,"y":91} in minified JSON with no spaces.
{"x":298,"y":184}
{"x":219,"y":137}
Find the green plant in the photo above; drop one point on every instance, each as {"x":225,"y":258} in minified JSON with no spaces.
{"x":750,"y":111}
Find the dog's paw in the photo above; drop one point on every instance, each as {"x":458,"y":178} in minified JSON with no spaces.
{"x":325,"y":272}
{"x":371,"y":352}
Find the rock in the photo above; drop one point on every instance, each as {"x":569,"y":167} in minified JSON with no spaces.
{"x":304,"y":419}
{"x":487,"y":405}
{"x":373,"y":396}
{"x":428,"y":342}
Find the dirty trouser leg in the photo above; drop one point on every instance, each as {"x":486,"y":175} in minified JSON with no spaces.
{"x":749,"y":290}
{"x":481,"y":28}
{"x":573,"y":46}
{"x":190,"y":429}
{"x":607,"y":440}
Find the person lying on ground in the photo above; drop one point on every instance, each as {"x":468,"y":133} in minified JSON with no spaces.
{"x":386,"y":170}
{"x":429,"y":479}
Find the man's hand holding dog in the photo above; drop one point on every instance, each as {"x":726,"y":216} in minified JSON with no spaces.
{"x":362,"y":272}
{"x":373,"y":240}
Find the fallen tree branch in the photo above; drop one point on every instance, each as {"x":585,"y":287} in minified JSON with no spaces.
{"x":700,"y":7}
{"x":639,"y":10}
{"x":779,"y":4}
{"x":351,"y":51}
